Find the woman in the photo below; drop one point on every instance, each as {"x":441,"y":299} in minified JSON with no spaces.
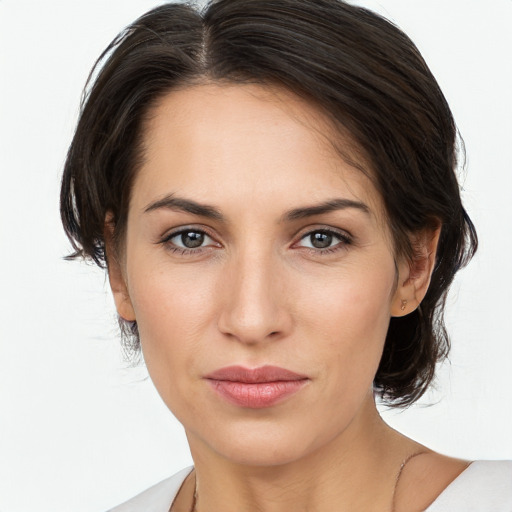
{"x":271,"y":186}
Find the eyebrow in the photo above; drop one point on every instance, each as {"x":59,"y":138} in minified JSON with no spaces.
{"x":325,"y":207}
{"x":171,"y":202}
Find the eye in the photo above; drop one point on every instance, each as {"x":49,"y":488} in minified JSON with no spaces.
{"x":188,"y":240}
{"x":323,"y":239}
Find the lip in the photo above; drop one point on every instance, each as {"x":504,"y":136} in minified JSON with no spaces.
{"x":255,"y":388}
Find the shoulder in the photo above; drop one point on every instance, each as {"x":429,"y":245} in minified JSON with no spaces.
{"x":485,"y":486}
{"x":157,"y":498}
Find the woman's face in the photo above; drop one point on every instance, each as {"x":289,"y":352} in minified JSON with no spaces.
{"x":250,"y":243}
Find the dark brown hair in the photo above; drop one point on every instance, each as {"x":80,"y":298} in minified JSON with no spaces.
{"x":352,"y":64}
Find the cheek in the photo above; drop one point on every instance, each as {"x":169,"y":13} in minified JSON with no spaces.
{"x":355,"y":299}
{"x":348,"y":318}
{"x":174,"y":312}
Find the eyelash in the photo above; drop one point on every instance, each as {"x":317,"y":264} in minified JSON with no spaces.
{"x":344,"y":240}
{"x":184,"y":251}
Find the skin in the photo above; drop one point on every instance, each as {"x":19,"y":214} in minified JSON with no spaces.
{"x":258,"y":292}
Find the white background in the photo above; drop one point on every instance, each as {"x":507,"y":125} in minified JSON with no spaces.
{"x":81,"y":431}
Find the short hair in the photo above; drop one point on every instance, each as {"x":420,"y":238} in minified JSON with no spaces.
{"x":352,"y":64}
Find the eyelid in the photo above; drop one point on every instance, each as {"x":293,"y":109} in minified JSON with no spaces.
{"x":309,"y":230}
{"x":345,"y":239}
{"x":206,"y":239}
{"x":184,"y":228}
{"x":169,"y":235}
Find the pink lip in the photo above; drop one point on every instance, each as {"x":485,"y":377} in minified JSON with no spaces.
{"x":255,"y":388}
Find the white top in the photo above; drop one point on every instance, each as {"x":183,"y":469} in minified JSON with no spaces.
{"x":485,"y":486}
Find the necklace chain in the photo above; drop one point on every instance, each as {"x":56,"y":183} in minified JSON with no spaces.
{"x":397,"y":479}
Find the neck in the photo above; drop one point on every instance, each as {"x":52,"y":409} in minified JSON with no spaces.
{"x":356,"y":470}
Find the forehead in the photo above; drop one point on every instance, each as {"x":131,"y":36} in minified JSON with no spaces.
{"x":220,"y":141}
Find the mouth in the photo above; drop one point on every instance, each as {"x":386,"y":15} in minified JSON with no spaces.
{"x":256,"y":388}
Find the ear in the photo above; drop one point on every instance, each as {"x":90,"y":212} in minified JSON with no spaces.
{"x":116,"y":276}
{"x":414,"y":274}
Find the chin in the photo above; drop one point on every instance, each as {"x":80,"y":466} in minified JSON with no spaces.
{"x":263,"y":443}
{"x":260,"y":453}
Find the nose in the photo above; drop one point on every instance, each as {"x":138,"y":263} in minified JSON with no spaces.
{"x":255,"y":306}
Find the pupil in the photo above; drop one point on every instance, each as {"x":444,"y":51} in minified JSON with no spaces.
{"x":192,"y":239}
{"x":321,"y":240}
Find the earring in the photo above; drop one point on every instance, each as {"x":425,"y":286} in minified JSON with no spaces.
{"x":403,"y":304}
